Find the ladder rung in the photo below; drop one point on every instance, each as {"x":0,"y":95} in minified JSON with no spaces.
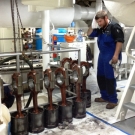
{"x":132,"y":87}
{"x":130,"y":106}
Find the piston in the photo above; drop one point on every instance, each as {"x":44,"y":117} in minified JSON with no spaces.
{"x":85,"y":93}
{"x":79,"y":104}
{"x":36,"y":114}
{"x":19,"y":119}
{"x":51,"y":110}
{"x":65,"y":107}
{"x":19,"y":126}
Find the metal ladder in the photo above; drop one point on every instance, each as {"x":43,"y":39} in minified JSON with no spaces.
{"x":125,"y":102}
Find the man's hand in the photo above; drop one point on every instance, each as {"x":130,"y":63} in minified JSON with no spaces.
{"x":114,"y":59}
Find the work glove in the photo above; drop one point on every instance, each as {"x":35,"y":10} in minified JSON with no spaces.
{"x":115,"y":67}
{"x":94,"y":24}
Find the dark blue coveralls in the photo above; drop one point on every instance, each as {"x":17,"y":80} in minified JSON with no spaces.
{"x":107,"y":39}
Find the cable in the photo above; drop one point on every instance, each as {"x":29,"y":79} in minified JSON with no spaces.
{"x":13,"y":21}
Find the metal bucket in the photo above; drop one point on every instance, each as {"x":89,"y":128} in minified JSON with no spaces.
{"x":65,"y":112}
{"x":79,"y":109}
{"x":19,"y":126}
{"x":36,"y":121}
{"x":87,"y":96}
{"x":51,"y":116}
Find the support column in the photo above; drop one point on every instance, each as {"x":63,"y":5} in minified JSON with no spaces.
{"x":45,"y":35}
{"x":96,"y":50}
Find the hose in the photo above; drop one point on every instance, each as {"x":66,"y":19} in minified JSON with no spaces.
{"x":14,"y":57}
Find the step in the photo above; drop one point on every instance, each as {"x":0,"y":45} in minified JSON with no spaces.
{"x":130,"y":106}
{"x":132,"y":87}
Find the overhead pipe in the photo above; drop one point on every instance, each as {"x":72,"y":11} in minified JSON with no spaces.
{"x":59,"y":17}
{"x":123,"y":12}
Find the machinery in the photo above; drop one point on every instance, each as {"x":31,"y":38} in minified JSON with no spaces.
{"x":69,"y":79}
{"x":34,"y":119}
{"x":51,"y":110}
{"x":19,"y":119}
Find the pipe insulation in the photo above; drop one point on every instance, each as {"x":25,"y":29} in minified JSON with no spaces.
{"x":122,"y":10}
{"x":61,"y":17}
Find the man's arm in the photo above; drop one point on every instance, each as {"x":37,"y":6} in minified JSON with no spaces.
{"x":117,"y":52}
{"x":118,"y":36}
{"x":90,"y":30}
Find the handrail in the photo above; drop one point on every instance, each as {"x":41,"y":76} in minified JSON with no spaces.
{"x":129,"y":43}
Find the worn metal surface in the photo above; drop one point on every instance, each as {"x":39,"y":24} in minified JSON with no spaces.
{"x":19,"y":126}
{"x":65,"y":112}
{"x":36,"y":121}
{"x":51,"y":116}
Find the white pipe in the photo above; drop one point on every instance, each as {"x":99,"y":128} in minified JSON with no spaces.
{"x":129,"y":43}
{"x":123,"y":12}
{"x":87,"y":13}
{"x":60,"y":17}
{"x":45,"y":35}
{"x":96,"y":50}
{"x":29,"y":19}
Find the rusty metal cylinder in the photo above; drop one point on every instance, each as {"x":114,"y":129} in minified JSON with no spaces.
{"x":65,"y":112}
{"x":51,"y":116}
{"x":79,"y":109}
{"x":19,"y":126}
{"x":87,"y":96}
{"x":36,"y":121}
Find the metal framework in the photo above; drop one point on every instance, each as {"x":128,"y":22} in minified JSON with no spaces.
{"x":40,"y":52}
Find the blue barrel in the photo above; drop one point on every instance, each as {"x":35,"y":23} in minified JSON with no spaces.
{"x":38,"y":41}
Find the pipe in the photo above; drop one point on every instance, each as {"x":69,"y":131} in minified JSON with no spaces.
{"x":29,"y":19}
{"x":123,"y":10}
{"x":45,"y":35}
{"x":17,"y":63}
{"x":38,"y":52}
{"x":58,"y":17}
{"x":83,"y":13}
{"x":14,"y":57}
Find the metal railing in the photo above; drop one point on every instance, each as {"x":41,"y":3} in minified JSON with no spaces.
{"x":40,"y":52}
{"x":129,"y":43}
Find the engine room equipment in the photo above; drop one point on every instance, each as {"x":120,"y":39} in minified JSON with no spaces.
{"x":85,"y":93}
{"x":79,"y":106}
{"x":17,"y":81}
{"x":65,"y":107}
{"x":36,"y":114}
{"x":51,"y":110}
{"x":19,"y":119}
{"x":64,"y":61}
